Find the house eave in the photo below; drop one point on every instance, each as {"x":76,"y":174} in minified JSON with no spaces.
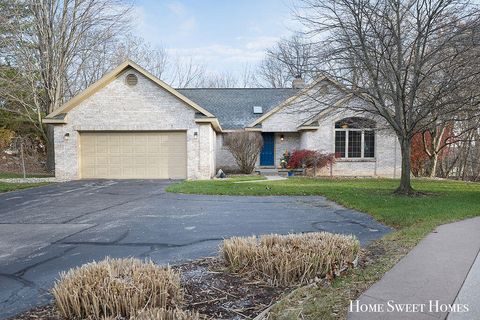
{"x":253,"y":129}
{"x":308,"y":128}
{"x":53,"y":121}
{"x":213,"y":121}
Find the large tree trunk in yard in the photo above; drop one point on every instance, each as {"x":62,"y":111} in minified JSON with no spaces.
{"x":50,"y":149}
{"x":405,"y":187}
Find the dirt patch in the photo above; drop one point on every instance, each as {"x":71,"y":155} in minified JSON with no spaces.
{"x":40,"y":313}
{"x":209,"y":289}
{"x":212,"y":291}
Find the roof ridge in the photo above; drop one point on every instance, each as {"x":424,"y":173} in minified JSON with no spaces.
{"x":256,"y":88}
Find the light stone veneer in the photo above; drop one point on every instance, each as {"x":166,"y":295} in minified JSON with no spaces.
{"x":148,"y":107}
{"x":143,"y":107}
{"x":387,"y":161}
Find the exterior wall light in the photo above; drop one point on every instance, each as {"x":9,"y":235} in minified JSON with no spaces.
{"x":195,"y":135}
{"x":66,"y":136}
{"x":282,"y":137}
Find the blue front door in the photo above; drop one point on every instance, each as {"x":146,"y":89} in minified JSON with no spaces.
{"x":267,"y":156}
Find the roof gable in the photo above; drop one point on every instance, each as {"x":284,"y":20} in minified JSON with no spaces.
{"x":112,"y":75}
{"x":301,"y":93}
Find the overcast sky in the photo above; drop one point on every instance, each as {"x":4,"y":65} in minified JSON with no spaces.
{"x":224,"y":34}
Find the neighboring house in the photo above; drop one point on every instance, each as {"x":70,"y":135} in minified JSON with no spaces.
{"x":130,"y":124}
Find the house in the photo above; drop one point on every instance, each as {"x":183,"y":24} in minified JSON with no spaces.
{"x":130,"y":124}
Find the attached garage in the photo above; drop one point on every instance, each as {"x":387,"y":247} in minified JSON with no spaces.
{"x":133,"y":155}
{"x":131,"y":125}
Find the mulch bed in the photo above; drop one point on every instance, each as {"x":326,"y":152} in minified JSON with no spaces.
{"x":210,"y":290}
{"x":213,"y":292}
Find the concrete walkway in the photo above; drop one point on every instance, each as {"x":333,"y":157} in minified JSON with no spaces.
{"x":267,"y":178}
{"x":439,"y":278}
{"x":469,"y":295}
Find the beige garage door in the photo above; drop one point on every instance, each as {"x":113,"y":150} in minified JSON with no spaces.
{"x":133,"y":155}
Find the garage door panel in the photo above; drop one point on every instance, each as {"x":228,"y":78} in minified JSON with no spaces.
{"x":115,"y":171}
{"x":101,"y":149}
{"x":114,"y":149}
{"x":115,"y":160}
{"x":140,"y":162}
{"x":140,"y":148}
{"x":126,"y":148}
{"x":133,"y":155}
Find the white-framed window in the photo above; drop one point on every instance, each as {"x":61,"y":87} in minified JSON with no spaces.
{"x":355,"y":138}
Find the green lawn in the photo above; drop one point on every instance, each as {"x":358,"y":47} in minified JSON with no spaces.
{"x":447,"y":200}
{"x":12,"y":175}
{"x":413,"y":218}
{"x":4,"y":187}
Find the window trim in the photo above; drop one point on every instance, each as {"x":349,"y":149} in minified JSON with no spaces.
{"x":362,"y":155}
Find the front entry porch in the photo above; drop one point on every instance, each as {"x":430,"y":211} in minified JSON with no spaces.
{"x":274,"y":146}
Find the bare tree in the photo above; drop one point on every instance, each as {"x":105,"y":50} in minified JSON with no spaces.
{"x":461,"y":156}
{"x":186,"y":73}
{"x":295,"y":53}
{"x":46,"y":49}
{"x":219,"y":80}
{"x":92,"y":64}
{"x":289,"y":59}
{"x":245,"y":147}
{"x":247,"y":77}
{"x":407,"y":59}
{"x":272,"y":73}
{"x":153,"y":59}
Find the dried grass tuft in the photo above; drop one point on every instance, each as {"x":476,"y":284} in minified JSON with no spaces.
{"x":164,"y":314}
{"x":291,"y":259}
{"x":116,"y":288}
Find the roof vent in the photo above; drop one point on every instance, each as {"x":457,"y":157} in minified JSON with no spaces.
{"x":131,"y":79}
{"x":257,"y":110}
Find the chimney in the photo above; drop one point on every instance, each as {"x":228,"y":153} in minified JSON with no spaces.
{"x":298,"y":82}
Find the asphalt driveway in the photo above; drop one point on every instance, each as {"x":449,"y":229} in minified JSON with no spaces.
{"x":53,"y":228}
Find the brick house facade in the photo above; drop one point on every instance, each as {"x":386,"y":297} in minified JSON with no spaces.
{"x":132,"y":125}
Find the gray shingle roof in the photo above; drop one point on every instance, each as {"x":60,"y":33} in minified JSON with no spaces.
{"x":234,"y":107}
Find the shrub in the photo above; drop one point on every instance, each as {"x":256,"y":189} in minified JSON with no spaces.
{"x":285,"y":159}
{"x":310,"y":159}
{"x":6,"y":138}
{"x":245,"y":147}
{"x":165,"y":314}
{"x":291,"y":259}
{"x":116,"y":288}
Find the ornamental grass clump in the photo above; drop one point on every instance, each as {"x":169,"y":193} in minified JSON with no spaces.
{"x":166,"y":314}
{"x":285,"y":260}
{"x":116,"y":288}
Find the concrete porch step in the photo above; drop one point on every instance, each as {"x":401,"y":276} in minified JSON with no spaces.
{"x":278,"y":172}
{"x":267,"y":171}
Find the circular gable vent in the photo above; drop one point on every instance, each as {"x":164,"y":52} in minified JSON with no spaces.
{"x":131,"y":79}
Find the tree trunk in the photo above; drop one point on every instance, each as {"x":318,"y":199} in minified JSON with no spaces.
{"x":405,"y":187}
{"x":22,"y":154}
{"x":50,"y":149}
{"x":432,"y":170}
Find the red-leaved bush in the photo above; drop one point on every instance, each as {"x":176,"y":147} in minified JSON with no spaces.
{"x":310,"y":159}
